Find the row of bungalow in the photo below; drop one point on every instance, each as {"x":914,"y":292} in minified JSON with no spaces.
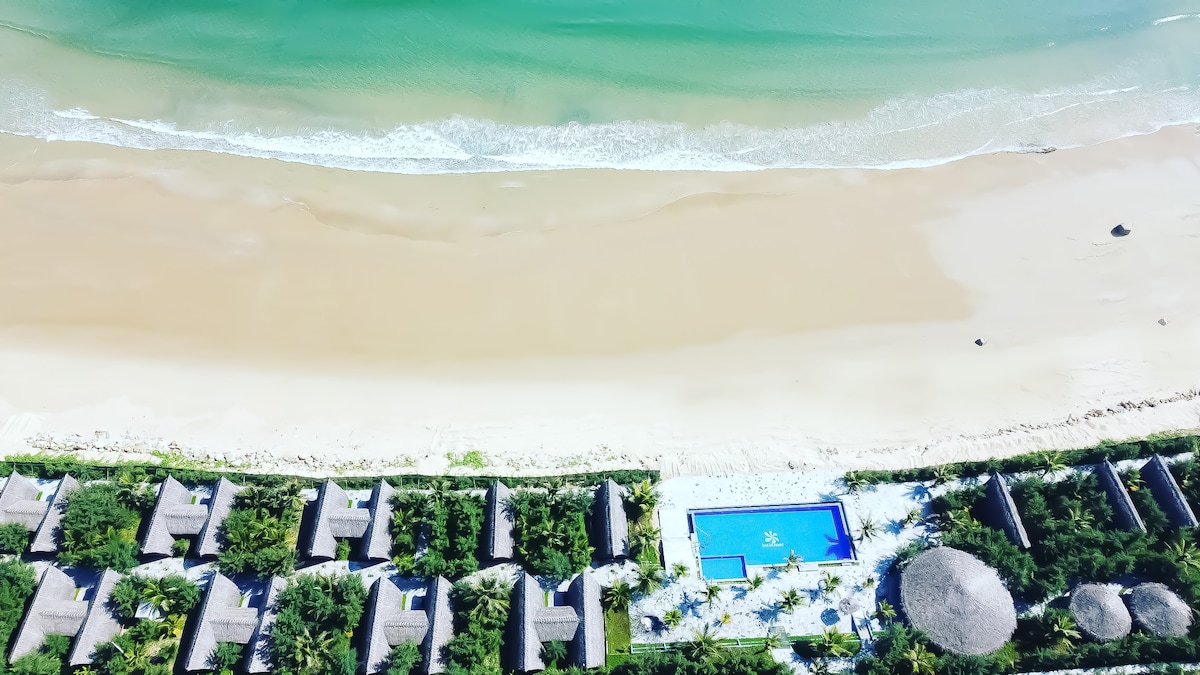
{"x":76,"y":604}
{"x":1001,"y":512}
{"x":245,"y":614}
{"x":181,"y":512}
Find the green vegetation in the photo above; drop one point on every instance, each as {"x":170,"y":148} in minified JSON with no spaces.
{"x":14,"y":538}
{"x":451,"y":522}
{"x":702,"y":656}
{"x":830,"y":643}
{"x":1076,"y":541}
{"x":643,"y":536}
{"x":56,"y":466}
{"x":480,"y":611}
{"x":100,"y":525}
{"x":314,"y":627}
{"x":173,"y":596}
{"x":1036,"y":461}
{"x":226,"y":657}
{"x":551,"y":531}
{"x":16,"y":587}
{"x":472,"y":459}
{"x":47,"y":660}
{"x":617,"y":630}
{"x":261,"y":532}
{"x":404,"y":659}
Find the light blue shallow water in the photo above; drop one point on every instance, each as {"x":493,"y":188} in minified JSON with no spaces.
{"x":767,"y":536}
{"x":427,"y":87}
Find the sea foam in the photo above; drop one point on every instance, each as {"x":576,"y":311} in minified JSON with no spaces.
{"x":908,"y":132}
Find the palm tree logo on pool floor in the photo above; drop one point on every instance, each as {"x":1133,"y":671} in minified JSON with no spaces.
{"x":770,"y":538}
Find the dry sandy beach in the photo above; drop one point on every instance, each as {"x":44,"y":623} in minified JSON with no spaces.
{"x":290,"y":315}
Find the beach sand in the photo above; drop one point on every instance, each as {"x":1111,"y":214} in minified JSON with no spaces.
{"x":311,"y":319}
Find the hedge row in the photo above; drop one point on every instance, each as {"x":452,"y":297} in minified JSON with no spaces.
{"x":1034,"y":461}
{"x":42,"y":466}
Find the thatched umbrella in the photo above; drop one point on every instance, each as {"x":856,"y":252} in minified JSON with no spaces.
{"x":1160,"y":611}
{"x":1099,"y":612}
{"x":958,"y":601}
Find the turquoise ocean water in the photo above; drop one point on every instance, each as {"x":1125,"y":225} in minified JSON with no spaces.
{"x":431,"y":86}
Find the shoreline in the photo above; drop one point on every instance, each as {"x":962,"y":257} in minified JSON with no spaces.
{"x":692,"y":323}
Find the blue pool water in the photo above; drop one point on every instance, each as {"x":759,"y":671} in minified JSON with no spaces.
{"x":732,"y":540}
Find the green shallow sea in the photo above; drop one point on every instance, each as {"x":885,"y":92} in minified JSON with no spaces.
{"x":435,"y":86}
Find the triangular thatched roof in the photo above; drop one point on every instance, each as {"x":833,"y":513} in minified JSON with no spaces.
{"x":1099,"y":612}
{"x":1125,"y":514}
{"x":45,"y":540}
{"x":1166,"y":492}
{"x":1002,"y":511}
{"x":611,"y":524}
{"x":19,"y":502}
{"x":498,"y":525}
{"x":1159,"y":610}
{"x":958,"y":601}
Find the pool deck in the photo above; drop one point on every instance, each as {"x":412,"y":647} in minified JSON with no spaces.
{"x":752,"y":613}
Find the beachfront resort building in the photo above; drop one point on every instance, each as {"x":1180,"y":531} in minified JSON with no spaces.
{"x":39,"y":510}
{"x":395,"y":617}
{"x":538,"y":618}
{"x":340,"y":517}
{"x":180,"y":512}
{"x":75,"y":607}
{"x":231,"y":614}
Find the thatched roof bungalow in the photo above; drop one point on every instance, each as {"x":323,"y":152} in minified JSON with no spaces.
{"x":45,"y":540}
{"x":19,"y":503}
{"x":338,"y":518}
{"x":1157,"y":476}
{"x":59,"y":607}
{"x":178,"y":512}
{"x":229,"y":615}
{"x":611,"y":536}
{"x":498,"y":524}
{"x":1157,"y":609}
{"x":1002,"y":513}
{"x":533,"y":622}
{"x":390,"y":623}
{"x":1099,"y":612}
{"x":1125,"y":514}
{"x":958,"y":601}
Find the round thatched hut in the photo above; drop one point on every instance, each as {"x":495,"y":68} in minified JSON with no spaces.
{"x":958,"y":601}
{"x":1159,"y":610}
{"x":1099,"y":612}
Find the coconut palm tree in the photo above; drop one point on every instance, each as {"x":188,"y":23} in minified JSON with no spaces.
{"x":755,"y":582}
{"x":912,"y":517}
{"x":836,"y":643}
{"x":1051,"y":461}
{"x":790,"y":600}
{"x":1186,"y":554}
{"x":820,"y":668}
{"x":679,"y":570}
{"x":920,"y":660}
{"x":943,"y":474}
{"x":1063,"y":631}
{"x":1079,"y":519}
{"x":712,"y":593}
{"x":672,"y":618}
{"x":771,"y":642}
{"x":885,"y":613}
{"x":488,"y":599}
{"x":649,"y":579}
{"x":643,"y":538}
{"x":618,"y":595}
{"x":830,"y":583}
{"x":726,"y":618}
{"x":1133,"y":480}
{"x":868,"y":583}
{"x":793,"y":562}
{"x":854,"y":481}
{"x":703,"y":646}
{"x":867,"y":529}
{"x":643,"y":497}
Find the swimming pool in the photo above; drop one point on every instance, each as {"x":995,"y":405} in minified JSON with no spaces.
{"x":733,"y":540}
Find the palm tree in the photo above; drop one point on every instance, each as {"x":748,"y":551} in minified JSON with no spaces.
{"x":886,"y":613}
{"x":649,"y":579}
{"x":643,"y":538}
{"x":711,"y":593}
{"x":1133,"y":480}
{"x":1186,"y":554}
{"x":703,"y":647}
{"x":911,"y":518}
{"x":672,"y":618}
{"x":643,"y":497}
{"x":790,"y":600}
{"x":1079,"y":519}
{"x":854,"y":481}
{"x":618,"y":595}
{"x":836,"y":643}
{"x":1051,"y":461}
{"x":488,"y":600}
{"x":755,"y":582}
{"x":867,"y":529}
{"x":1063,"y":630}
{"x":726,"y":619}
{"x":868,"y":583}
{"x":771,"y":642}
{"x":943,"y":474}
{"x":830,"y":583}
{"x":820,"y":668}
{"x":793,"y":562}
{"x":679,"y":570}
{"x":920,"y":660}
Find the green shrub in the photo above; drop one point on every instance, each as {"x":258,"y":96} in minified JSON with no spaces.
{"x":551,"y":532}
{"x":173,"y":595}
{"x":16,"y":586}
{"x":317,"y":615}
{"x":260,"y":534}
{"x":480,"y":611}
{"x":404,"y":659}
{"x":451,"y":522}
{"x":226,"y":657}
{"x":14,"y":538}
{"x":181,"y":547}
{"x":99,"y":528}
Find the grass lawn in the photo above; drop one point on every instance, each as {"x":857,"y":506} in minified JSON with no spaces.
{"x":617,"y":631}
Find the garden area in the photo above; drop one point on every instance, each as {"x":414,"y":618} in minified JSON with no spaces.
{"x":551,"y":530}
{"x":100,"y":524}
{"x":1075,"y":540}
{"x":450,"y":524}
{"x":260,"y":534}
{"x":315,"y":625}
